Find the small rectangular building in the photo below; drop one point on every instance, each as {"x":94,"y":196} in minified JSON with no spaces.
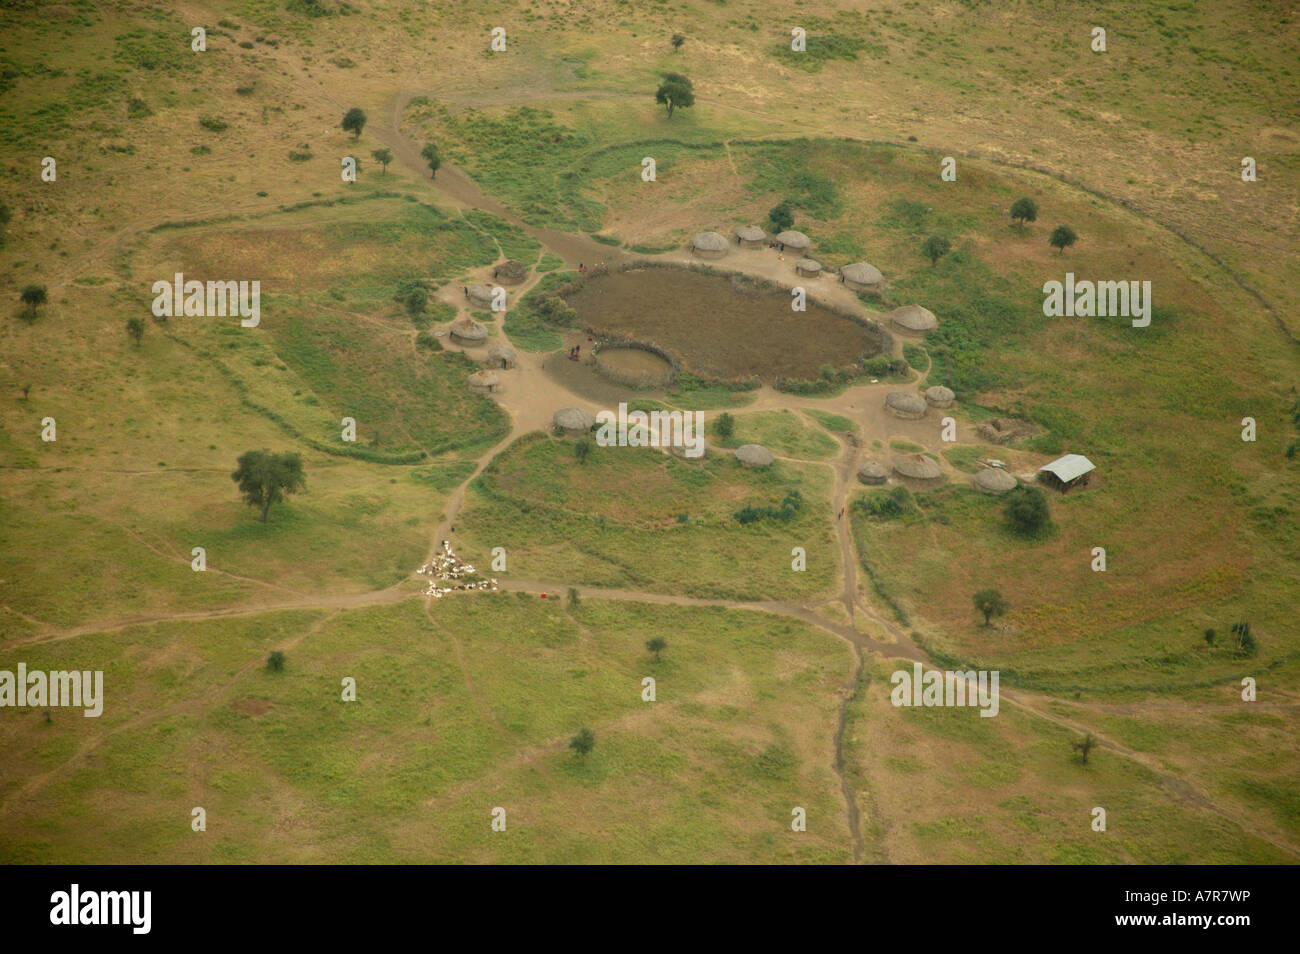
{"x":1066,"y":472}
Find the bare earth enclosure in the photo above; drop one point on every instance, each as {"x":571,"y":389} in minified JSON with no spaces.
{"x":717,"y":329}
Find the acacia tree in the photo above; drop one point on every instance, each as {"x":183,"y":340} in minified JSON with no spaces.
{"x":990,"y":603}
{"x":32,"y":297}
{"x":1062,"y":237}
{"x":678,"y":40}
{"x":430,"y":155}
{"x":354,"y":120}
{"x":264,"y":478}
{"x":935,"y":248}
{"x":1084,"y":746}
{"x":676,"y":90}
{"x":383,"y":157}
{"x":135,"y":328}
{"x":1024,"y":210}
{"x":656,"y":645}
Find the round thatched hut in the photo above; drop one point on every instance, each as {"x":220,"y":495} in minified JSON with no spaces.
{"x":795,"y":240}
{"x":872,"y":471}
{"x":862,"y":277}
{"x":573,"y":421}
{"x":502,"y":356}
{"x":510,"y":273}
{"x":485,"y":382}
{"x":914,"y":320}
{"x":905,"y":404}
{"x":468,"y":331}
{"x":754,"y":455}
{"x":919,"y":469}
{"x":480,"y":295}
{"x":709,"y":245}
{"x":808,"y":268}
{"x":750,"y":236}
{"x":994,"y":480}
{"x":939,"y":396}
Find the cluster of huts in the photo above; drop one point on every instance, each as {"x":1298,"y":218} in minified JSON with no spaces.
{"x":449,"y":573}
{"x":472,"y":333}
{"x":859,"y":276}
{"x":922,"y":472}
{"x":911,"y":406}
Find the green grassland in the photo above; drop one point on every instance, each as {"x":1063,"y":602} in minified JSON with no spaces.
{"x":647,"y":521}
{"x":943,"y":785}
{"x":226,"y":164}
{"x":457,"y":712}
{"x":781,"y":432}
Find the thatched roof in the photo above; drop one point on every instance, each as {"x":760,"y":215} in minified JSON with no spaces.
{"x":754,"y":455}
{"x":940,"y":396}
{"x":917,"y":467}
{"x":994,"y":480}
{"x":485,"y":379}
{"x":905,"y":402}
{"x":709,"y":242}
{"x":481,"y":294}
{"x":469,"y":329}
{"x":750,"y":233}
{"x":914,"y":318}
{"x":574,"y":419}
{"x":502,"y":353}
{"x":862,"y":273}
{"x":792,"y":239}
{"x":808,"y":265}
{"x":872,"y":471}
{"x":510,"y":271}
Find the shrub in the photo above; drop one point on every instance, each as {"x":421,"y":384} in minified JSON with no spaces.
{"x":1027,"y":512}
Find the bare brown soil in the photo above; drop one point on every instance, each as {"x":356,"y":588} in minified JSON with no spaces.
{"x":716,"y":331}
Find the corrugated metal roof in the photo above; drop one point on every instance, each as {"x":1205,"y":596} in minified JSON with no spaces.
{"x":1068,"y":468}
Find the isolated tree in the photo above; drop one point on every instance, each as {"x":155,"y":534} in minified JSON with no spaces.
{"x":1084,"y":746}
{"x":935,"y":248}
{"x":1024,"y":210}
{"x":1210,"y":637}
{"x":354,"y":120}
{"x":430,"y":155}
{"x":1062,"y":237}
{"x":383,"y":157}
{"x":583,"y":742}
{"x":275,"y":661}
{"x":27,"y":389}
{"x":678,"y":40}
{"x":1027,"y":511}
{"x":726,"y":426}
{"x":264,"y":478}
{"x":4,"y":220}
{"x":656,"y":645}
{"x":676,"y":90}
{"x":990,"y":603}
{"x":574,"y":599}
{"x":135,"y":328}
{"x":32,"y":297}
{"x":582,"y":449}
{"x":781,"y":217}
